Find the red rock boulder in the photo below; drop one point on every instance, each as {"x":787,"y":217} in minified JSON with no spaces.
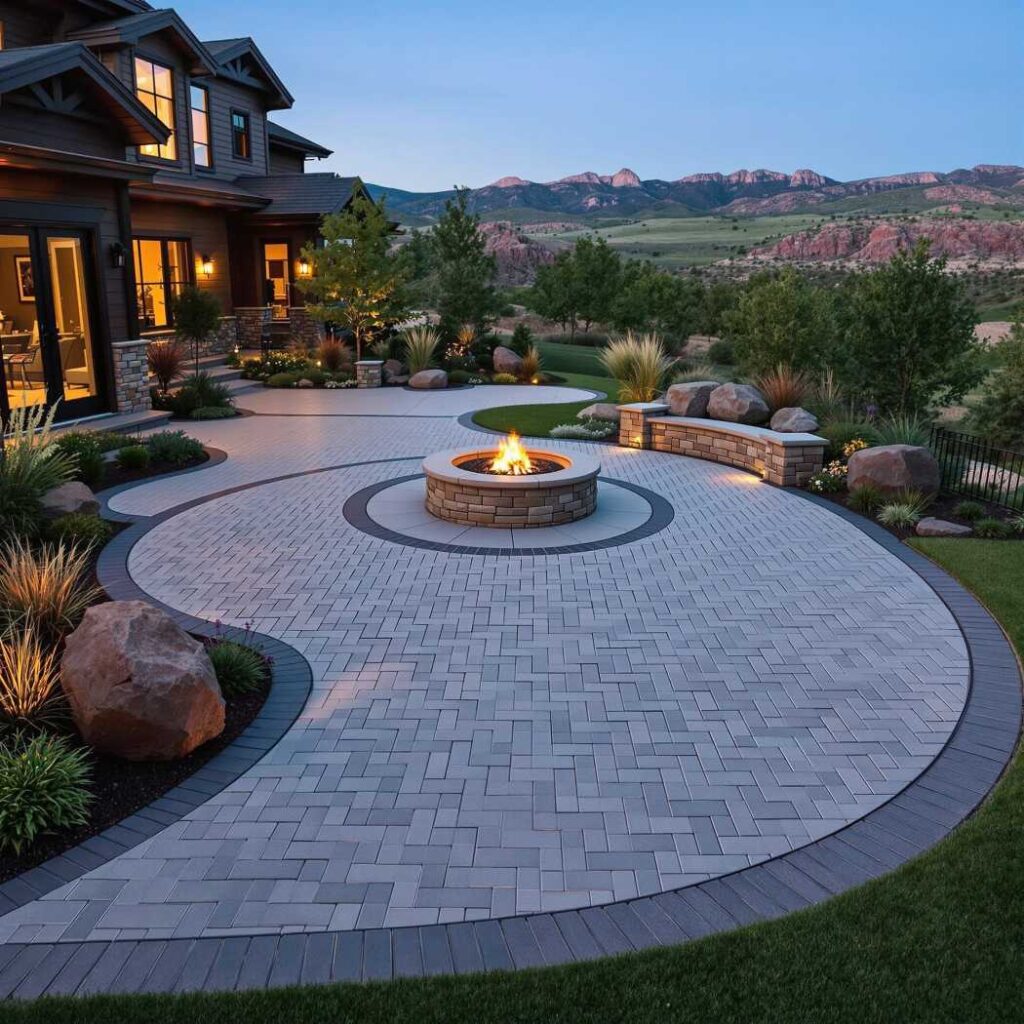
{"x":139,"y":686}
{"x":892,"y":468}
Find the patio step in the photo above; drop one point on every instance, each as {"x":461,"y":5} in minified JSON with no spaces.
{"x":117,"y":423}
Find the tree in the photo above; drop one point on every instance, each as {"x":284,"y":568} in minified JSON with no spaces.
{"x":356,"y":280}
{"x":653,"y":300}
{"x":781,"y":319}
{"x":196,"y":316}
{"x":465,"y":271}
{"x":595,"y":272}
{"x":415,"y":260}
{"x":552,"y":295}
{"x":908,"y":335}
{"x":999,"y":414}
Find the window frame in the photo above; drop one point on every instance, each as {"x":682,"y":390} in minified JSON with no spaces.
{"x":166,"y":283}
{"x":172,"y":99}
{"x":248,"y":133}
{"x":205,"y":89}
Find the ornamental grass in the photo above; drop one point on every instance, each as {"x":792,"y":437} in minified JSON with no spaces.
{"x":30,"y":692}
{"x":639,"y":364}
{"x":420,"y":346}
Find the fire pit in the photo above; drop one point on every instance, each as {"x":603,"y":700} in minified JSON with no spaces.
{"x":510,"y":487}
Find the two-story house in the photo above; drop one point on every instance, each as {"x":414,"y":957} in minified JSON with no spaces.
{"x":136,"y":158}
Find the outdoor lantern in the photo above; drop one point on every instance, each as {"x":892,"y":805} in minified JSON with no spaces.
{"x":207,"y":264}
{"x":118,"y":255}
{"x":303,"y":268}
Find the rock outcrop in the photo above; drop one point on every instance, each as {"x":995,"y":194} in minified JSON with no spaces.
{"x":139,"y":686}
{"x":893,"y":468}
{"x":515,"y":255}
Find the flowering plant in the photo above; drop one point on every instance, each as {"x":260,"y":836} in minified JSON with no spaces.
{"x":831,"y":479}
{"x":858,"y":444}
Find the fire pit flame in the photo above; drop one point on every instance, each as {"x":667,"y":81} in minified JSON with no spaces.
{"x":512,"y":458}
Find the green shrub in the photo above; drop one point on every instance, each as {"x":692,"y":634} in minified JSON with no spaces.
{"x":282,"y":380}
{"x":999,"y":414}
{"x":906,"y":429}
{"x":80,"y":528}
{"x":274,"y":363}
{"x":133,"y":457}
{"x":589,"y":429}
{"x":239,"y":669}
{"x":213,"y":412}
{"x":722,"y":352}
{"x":21,"y":508}
{"x":992,"y":528}
{"x":1016,"y":522}
{"x":904,"y":511}
{"x":459,"y":377}
{"x":839,"y":433}
{"x":972,"y":511}
{"x":43,"y":788}
{"x":866,"y":499}
{"x":174,"y":447}
{"x":84,"y":448}
{"x":199,"y":391}
{"x":504,"y":378}
{"x":522,"y":339}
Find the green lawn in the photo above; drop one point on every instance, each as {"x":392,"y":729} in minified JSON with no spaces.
{"x":941,"y":939}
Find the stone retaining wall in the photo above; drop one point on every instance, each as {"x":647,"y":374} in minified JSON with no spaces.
{"x":251,"y":322}
{"x":305,"y":331}
{"x":511,"y":508}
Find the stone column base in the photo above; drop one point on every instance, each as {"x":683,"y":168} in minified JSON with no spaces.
{"x":131,"y":376}
{"x":634,"y":424}
{"x":370,"y":373}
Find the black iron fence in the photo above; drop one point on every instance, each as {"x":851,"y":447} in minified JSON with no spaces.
{"x":974,"y":469}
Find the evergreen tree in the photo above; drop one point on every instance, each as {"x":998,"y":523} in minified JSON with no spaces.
{"x":465,"y":271}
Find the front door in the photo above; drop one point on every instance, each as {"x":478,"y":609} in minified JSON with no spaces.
{"x":276,"y":273}
{"x":47,"y":322}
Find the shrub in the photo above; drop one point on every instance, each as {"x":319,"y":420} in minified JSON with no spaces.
{"x":333,"y":355}
{"x":866,"y":499}
{"x":282,"y":380}
{"x":43,"y":787}
{"x":529,"y":369}
{"x":586,"y":430}
{"x":903,"y":429}
{"x":196,"y":315}
{"x":904,"y":511}
{"x":504,"y":378}
{"x":80,"y":528}
{"x":21,"y":510}
{"x":992,"y":528}
{"x":45,"y":586}
{"x":174,"y":447}
{"x":459,"y":376}
{"x":213,"y":412}
{"x":420,"y":346}
{"x":275,"y":362}
{"x":197,"y":392}
{"x":826,"y":399}
{"x":380,"y":349}
{"x":1017,"y":522}
{"x":696,"y":371}
{"x":829,"y":480}
{"x":133,"y":457}
{"x":31,"y":456}
{"x":30,"y":692}
{"x":639,"y":364}
{"x":783,"y":387}
{"x":972,"y":511}
{"x":999,"y":414}
{"x":522,"y":339}
{"x":85,"y":449}
{"x":839,"y":433}
{"x":166,"y":362}
{"x":722,"y":352}
{"x":239,"y":669}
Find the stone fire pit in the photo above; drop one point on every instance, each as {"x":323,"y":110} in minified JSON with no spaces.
{"x":488,"y":487}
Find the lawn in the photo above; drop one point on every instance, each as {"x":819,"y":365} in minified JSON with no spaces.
{"x":941,"y":939}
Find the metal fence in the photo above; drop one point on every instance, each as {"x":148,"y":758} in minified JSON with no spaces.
{"x":974,"y":469}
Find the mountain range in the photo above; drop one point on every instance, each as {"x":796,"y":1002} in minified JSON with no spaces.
{"x":589,"y":196}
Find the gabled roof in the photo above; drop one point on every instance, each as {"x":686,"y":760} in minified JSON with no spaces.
{"x":227,"y":50}
{"x":302,"y":195}
{"x":28,"y":65}
{"x":129,"y":30}
{"x":285,"y":138}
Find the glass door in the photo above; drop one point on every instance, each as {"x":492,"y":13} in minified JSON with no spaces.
{"x":23,"y":375}
{"x":276,"y":273}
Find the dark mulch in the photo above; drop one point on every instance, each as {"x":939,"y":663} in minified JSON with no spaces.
{"x":122,"y":787}
{"x":114,"y":475}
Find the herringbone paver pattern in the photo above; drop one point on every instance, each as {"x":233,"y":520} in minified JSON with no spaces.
{"x":491,"y":736}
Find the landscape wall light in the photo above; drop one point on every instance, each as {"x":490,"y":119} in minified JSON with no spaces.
{"x":206,"y":263}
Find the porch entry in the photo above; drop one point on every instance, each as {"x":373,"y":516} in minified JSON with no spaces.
{"x":47,"y":322}
{"x":277,"y":278}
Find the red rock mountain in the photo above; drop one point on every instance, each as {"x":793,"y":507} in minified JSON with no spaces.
{"x":517,"y":257}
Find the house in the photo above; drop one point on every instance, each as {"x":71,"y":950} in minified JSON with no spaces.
{"x":136,"y":158}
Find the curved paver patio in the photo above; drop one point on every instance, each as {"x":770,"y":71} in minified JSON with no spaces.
{"x":491,"y":736}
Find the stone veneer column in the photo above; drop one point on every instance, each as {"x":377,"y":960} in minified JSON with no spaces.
{"x":250,"y":323}
{"x":304,"y":329}
{"x":369,"y":373}
{"x":131,"y":376}
{"x":634,"y":424}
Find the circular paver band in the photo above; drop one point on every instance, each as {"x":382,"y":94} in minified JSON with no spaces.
{"x":926,"y":810}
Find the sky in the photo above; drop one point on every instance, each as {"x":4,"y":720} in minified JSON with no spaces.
{"x":419,"y":95}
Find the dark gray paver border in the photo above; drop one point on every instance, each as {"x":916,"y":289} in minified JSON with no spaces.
{"x":924,"y":812}
{"x":355,"y":513}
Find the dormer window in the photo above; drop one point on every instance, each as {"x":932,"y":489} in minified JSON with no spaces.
{"x":241,"y":140}
{"x":154,"y":86}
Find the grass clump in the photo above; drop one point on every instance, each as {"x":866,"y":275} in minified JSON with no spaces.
{"x":80,"y":528}
{"x":866,"y":499}
{"x":239,"y":669}
{"x":529,"y":368}
{"x":783,"y":387}
{"x":85,"y":448}
{"x":905,"y":429}
{"x":903,"y":513}
{"x":420,"y":346}
{"x":990,"y":528}
{"x":971,"y":511}
{"x":30,"y":692}
{"x":639,"y":364}
{"x":43,"y":788}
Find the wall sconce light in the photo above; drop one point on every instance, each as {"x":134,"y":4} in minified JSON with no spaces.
{"x":304,"y":268}
{"x":206,"y":262}
{"x":118,"y":255}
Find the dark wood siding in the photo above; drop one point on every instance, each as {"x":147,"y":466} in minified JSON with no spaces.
{"x":225,"y":97}
{"x":205,"y":227}
{"x":286,"y":161}
{"x":34,"y":126}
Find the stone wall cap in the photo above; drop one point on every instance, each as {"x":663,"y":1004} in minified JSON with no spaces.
{"x":369,"y":362}
{"x":129,"y":342}
{"x":439,"y":466}
{"x":644,"y":407}
{"x":743,"y":430}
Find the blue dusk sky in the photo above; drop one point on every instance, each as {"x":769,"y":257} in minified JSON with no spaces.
{"x":425,"y":95}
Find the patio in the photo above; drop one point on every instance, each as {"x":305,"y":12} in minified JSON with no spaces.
{"x":669,"y":721}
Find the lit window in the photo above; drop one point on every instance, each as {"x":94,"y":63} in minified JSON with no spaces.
{"x":241,"y":144}
{"x":154,"y":86}
{"x":162,"y":270}
{"x":201,"y":126}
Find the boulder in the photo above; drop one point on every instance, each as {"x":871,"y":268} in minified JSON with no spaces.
{"x":892,"y":468}
{"x":392,"y":368}
{"x":70,"y":498}
{"x":139,"y":686}
{"x":794,"y":420}
{"x":428,"y":380}
{"x":932,"y":527}
{"x":304,"y":383}
{"x":600,"y":411}
{"x":738,"y":403}
{"x":691,"y":398}
{"x":506,"y":361}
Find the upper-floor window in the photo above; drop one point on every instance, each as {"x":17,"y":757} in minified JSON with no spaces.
{"x":154,"y":85}
{"x":241,"y":140}
{"x":201,"y":150}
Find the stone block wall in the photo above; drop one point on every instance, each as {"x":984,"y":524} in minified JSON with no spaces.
{"x":635,"y":423}
{"x":369,"y":373}
{"x":305,"y":331}
{"x":220,"y":342}
{"x":518,"y":508}
{"x":250,"y":324}
{"x":131,"y":376}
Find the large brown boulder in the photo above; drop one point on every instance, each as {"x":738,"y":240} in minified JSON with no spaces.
{"x":506,"y":361}
{"x":392,"y":368}
{"x":139,"y":686}
{"x":892,"y":468}
{"x":70,"y":498}
{"x":428,"y":380}
{"x":738,"y":403}
{"x":691,"y":398}
{"x":794,"y":420}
